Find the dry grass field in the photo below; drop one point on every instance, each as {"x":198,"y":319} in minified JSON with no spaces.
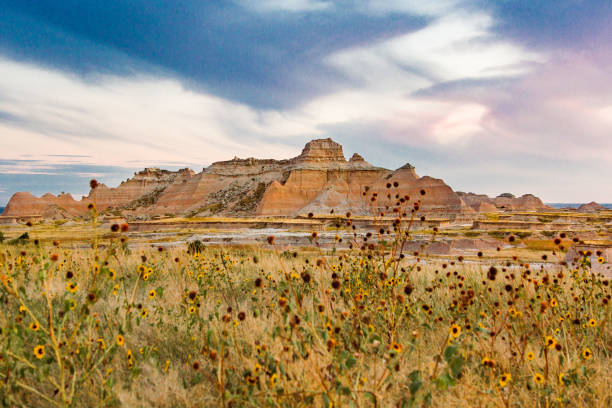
{"x":362,"y":324}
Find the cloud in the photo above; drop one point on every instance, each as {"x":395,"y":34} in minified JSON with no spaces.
{"x":113,"y":120}
{"x":389,"y":77}
{"x":287,"y":5}
{"x":375,"y":7}
{"x":137,"y":119}
{"x":415,"y":7}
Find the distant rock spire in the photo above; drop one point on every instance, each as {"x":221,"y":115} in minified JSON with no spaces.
{"x":356,"y":158}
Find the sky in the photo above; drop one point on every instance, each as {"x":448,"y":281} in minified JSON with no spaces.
{"x":491,"y":96}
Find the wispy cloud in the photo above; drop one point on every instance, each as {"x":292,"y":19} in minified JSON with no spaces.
{"x":411,"y":7}
{"x":287,"y":5}
{"x":113,"y":120}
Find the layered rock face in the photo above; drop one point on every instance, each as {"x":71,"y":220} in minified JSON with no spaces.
{"x":506,"y":201}
{"x":133,"y":193}
{"x":318,"y":180}
{"x":142,"y":187}
{"x":49,"y":205}
{"x":324,"y":151}
{"x":591,"y":207}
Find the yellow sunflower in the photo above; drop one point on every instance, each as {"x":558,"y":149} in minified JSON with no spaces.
{"x":505,"y":379}
{"x":39,"y":351}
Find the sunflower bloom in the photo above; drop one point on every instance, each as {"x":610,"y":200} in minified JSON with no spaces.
{"x":39,"y":352}
{"x":505,"y":379}
{"x":455,"y":331}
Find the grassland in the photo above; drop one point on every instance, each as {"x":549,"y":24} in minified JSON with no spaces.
{"x":357,"y":325}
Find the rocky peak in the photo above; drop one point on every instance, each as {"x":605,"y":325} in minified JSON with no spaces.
{"x":406,"y":170}
{"x":407,"y":166}
{"x":356,"y":158}
{"x":154,"y":174}
{"x":591,"y":207}
{"x":321,"y":150}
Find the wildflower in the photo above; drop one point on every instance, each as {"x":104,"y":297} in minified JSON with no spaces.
{"x":538,"y":378}
{"x":487,"y":362}
{"x":554,"y":303}
{"x":120,"y":340}
{"x":592,"y":323}
{"x":101,"y":343}
{"x":39,"y":351}
{"x":256,"y":369}
{"x":455,"y":331}
{"x":192,"y":309}
{"x":152,"y":294}
{"x":251,"y":380}
{"x":550,"y":342}
{"x":601,"y":260}
{"x":505,"y":379}
{"x":72,"y":304}
{"x":111,"y":273}
{"x":72,"y":287}
{"x":397,"y":348}
{"x":144,"y":313}
{"x":273,"y":380}
{"x":34,"y":326}
{"x":561,"y":378}
{"x":586,"y":353}
{"x":130,"y":358}
{"x":530,"y":356}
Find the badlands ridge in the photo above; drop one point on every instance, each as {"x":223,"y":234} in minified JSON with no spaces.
{"x":318,"y":180}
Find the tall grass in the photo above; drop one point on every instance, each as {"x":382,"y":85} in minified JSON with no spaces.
{"x":361,"y":324}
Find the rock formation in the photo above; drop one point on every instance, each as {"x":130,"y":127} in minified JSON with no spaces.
{"x":591,"y":207}
{"x":318,"y":180}
{"x":506,"y":201}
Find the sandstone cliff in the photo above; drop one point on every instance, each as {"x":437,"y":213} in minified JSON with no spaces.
{"x":591,"y":207}
{"x":506,"y":201}
{"x":319,"y":180}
